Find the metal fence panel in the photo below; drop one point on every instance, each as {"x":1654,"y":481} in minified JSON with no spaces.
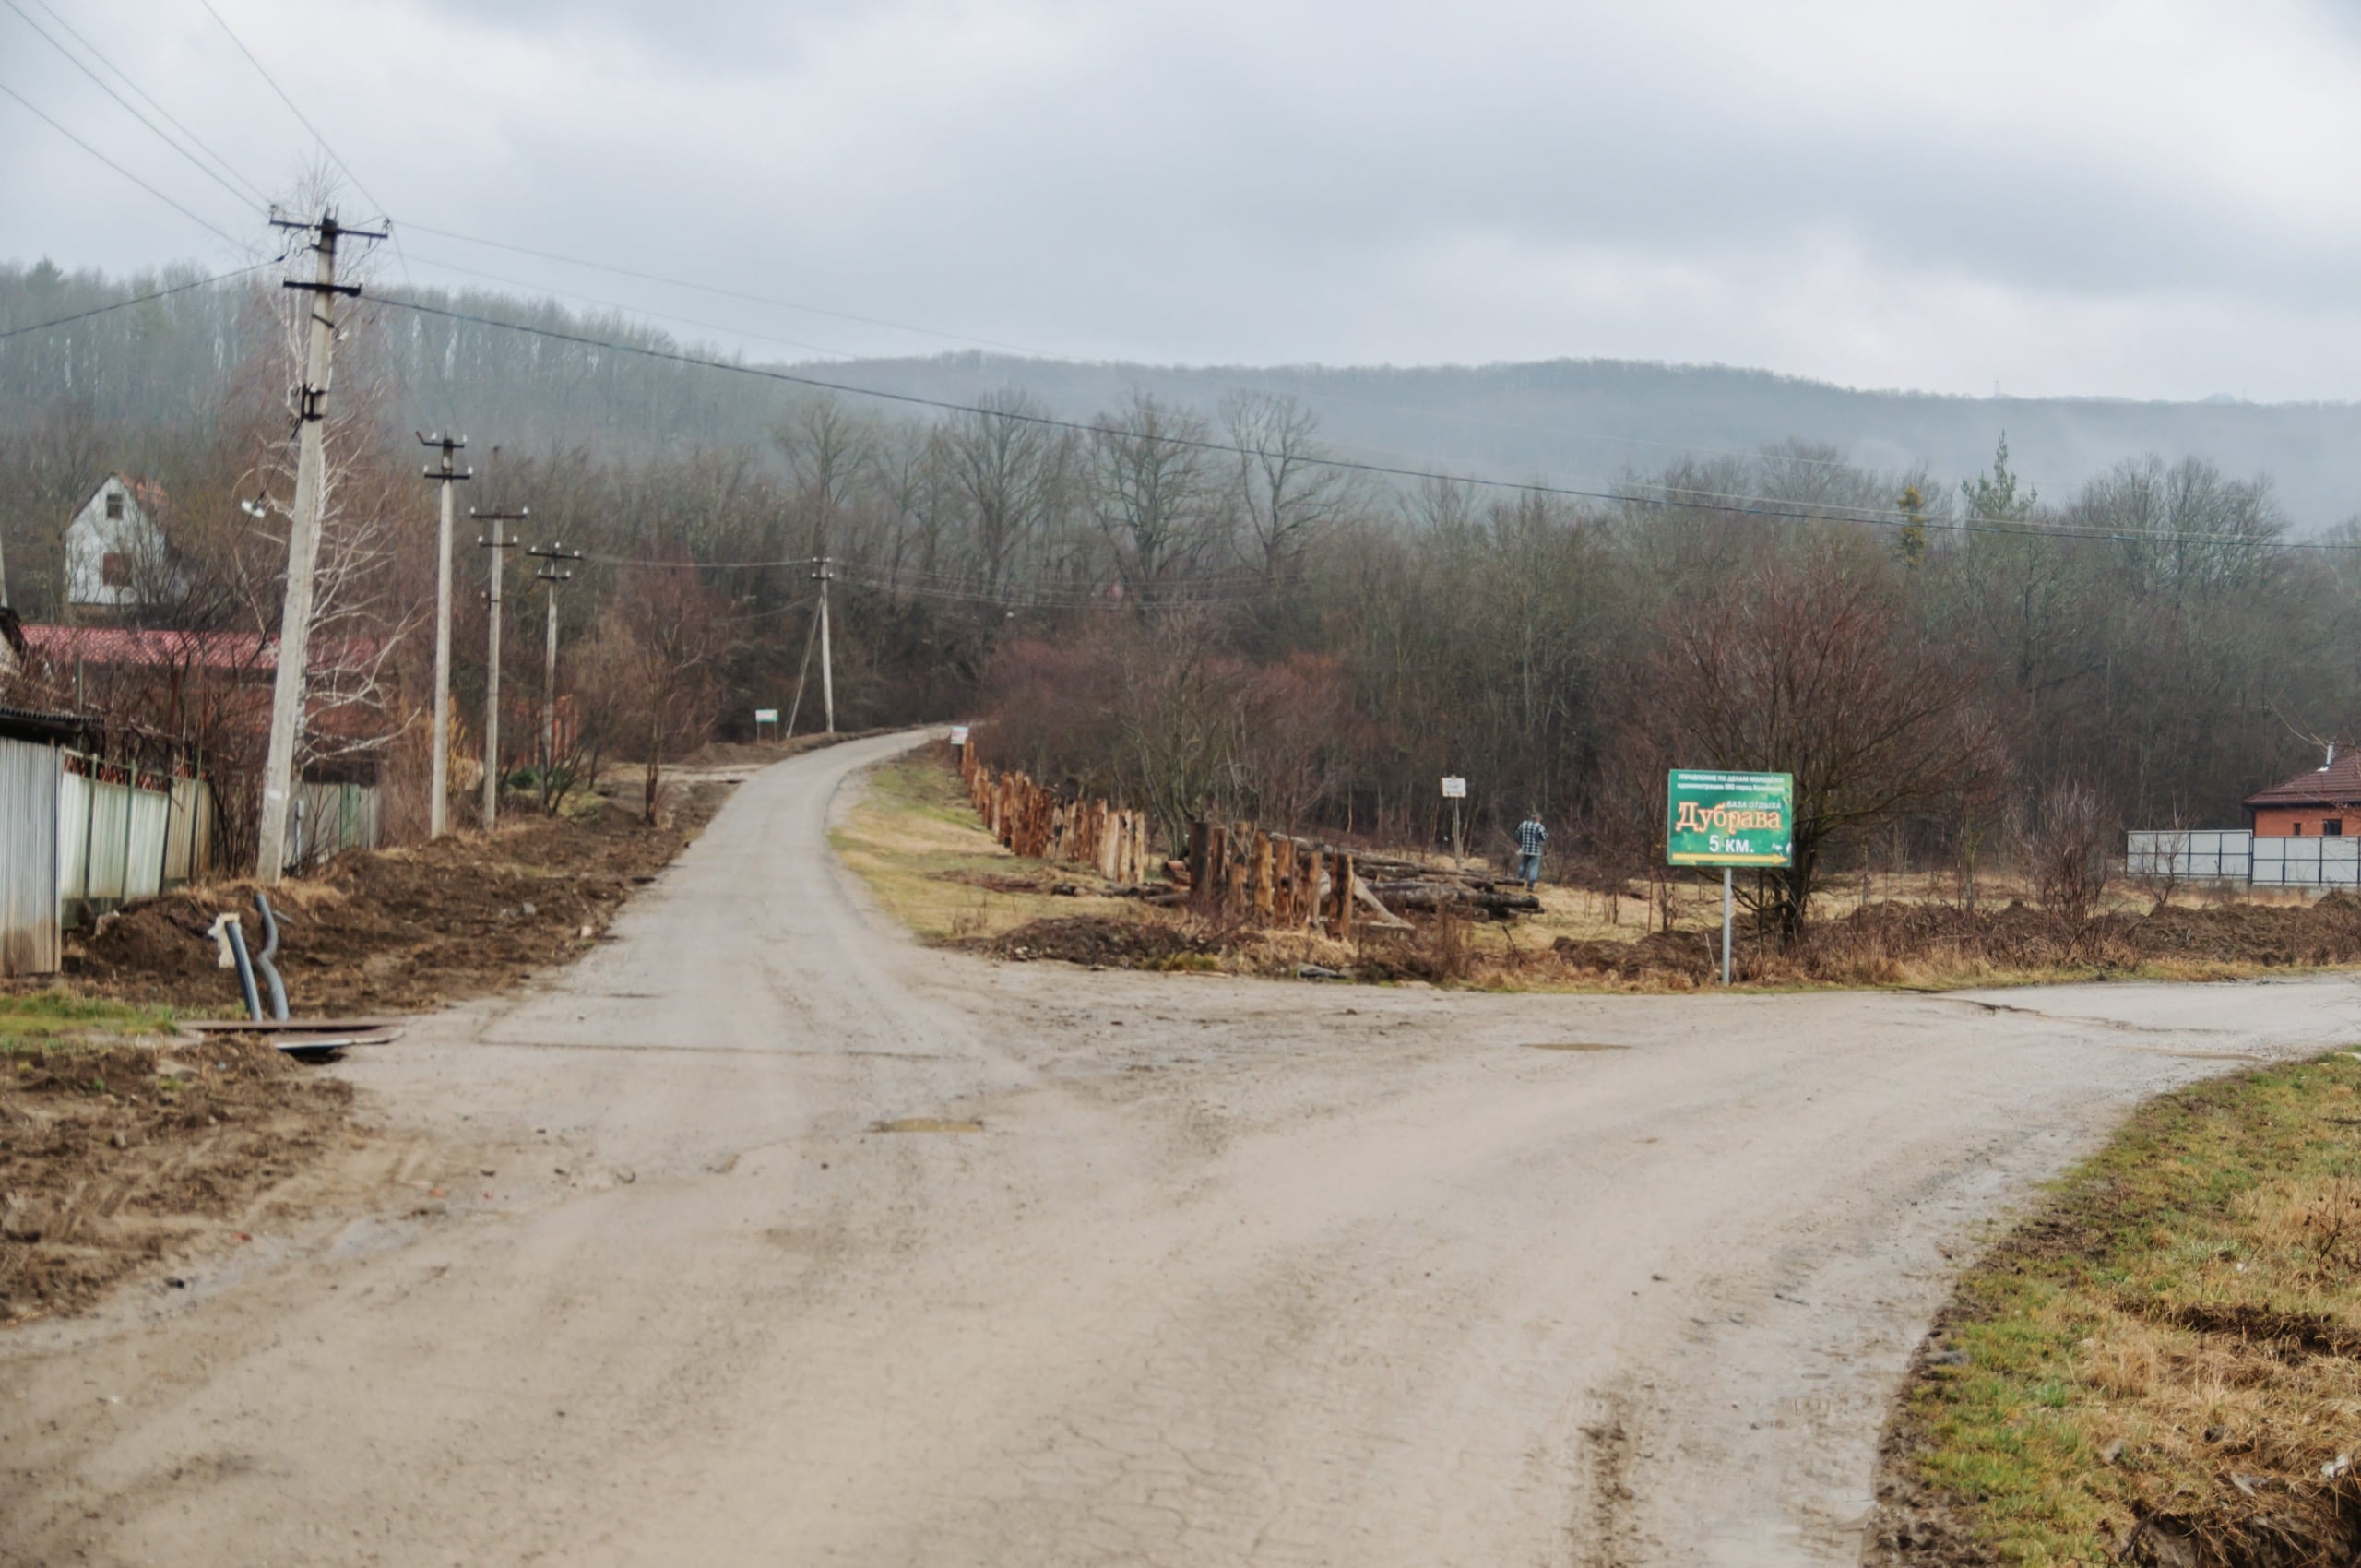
{"x":29,"y":777}
{"x":328,"y":819}
{"x":2308,"y":862}
{"x":188,"y":838}
{"x":2190,"y":854}
{"x":149,"y":820}
{"x":73,"y":836}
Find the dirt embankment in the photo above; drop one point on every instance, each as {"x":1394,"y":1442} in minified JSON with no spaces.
{"x":406,"y":928}
{"x":1878,"y":944}
{"x":114,"y":1157}
{"x":115,"y":1154}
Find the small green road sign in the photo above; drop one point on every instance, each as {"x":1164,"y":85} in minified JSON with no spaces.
{"x":1730,"y":819}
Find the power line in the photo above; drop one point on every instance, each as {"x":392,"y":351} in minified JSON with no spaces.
{"x":1034,"y":353}
{"x":128,"y":108}
{"x":150,"y":99}
{"x":437,"y":263}
{"x":1747,"y":506}
{"x":273,"y":83}
{"x":727,"y":293}
{"x":135,"y":300}
{"x":119,"y":169}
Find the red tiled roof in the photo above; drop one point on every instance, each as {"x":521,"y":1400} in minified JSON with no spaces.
{"x":2336,"y":785}
{"x":195,"y":650}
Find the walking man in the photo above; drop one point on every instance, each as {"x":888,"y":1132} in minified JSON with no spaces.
{"x":1530,"y":837}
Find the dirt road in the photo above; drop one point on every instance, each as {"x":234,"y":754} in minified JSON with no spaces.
{"x":1232,"y":1272}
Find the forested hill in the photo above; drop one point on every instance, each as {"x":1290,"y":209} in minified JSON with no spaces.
{"x":1578,"y":421}
{"x":1582,"y":423}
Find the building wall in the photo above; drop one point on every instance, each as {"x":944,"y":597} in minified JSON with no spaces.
{"x":132,"y":539}
{"x":2305,"y":822}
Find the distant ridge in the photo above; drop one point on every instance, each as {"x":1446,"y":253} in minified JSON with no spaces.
{"x":1595,"y":421}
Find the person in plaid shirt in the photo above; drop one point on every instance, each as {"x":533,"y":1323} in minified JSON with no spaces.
{"x":1530,"y":837}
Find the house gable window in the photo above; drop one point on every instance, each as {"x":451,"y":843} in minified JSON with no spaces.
{"x":114,"y":506}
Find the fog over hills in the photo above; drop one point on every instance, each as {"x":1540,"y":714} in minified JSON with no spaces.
{"x":1586,"y":422}
{"x":531,"y":372}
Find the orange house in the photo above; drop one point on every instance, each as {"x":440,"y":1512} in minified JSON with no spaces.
{"x":2324,"y":803}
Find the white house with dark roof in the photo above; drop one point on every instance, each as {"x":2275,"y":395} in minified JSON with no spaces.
{"x":116,"y":550}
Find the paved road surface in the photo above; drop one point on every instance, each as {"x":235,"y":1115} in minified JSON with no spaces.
{"x":1233,"y":1273}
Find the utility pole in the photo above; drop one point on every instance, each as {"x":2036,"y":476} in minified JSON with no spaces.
{"x":552,"y":575}
{"x":499,"y":547}
{"x":827,"y":676}
{"x":439,"y":798}
{"x":303,"y":539}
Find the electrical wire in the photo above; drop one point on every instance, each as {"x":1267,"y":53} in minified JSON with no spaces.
{"x":126,"y":174}
{"x":255,"y":191}
{"x":135,"y":299}
{"x":437,"y":264}
{"x":1228,"y":373}
{"x":1751,"y":506}
{"x":130,"y":109}
{"x":273,"y":83}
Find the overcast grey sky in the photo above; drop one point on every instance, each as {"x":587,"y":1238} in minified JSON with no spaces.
{"x":2144,"y":200}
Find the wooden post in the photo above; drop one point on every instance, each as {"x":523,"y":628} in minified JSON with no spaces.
{"x":1241,"y":865}
{"x":1262,"y":888}
{"x":1310,"y":903}
{"x":1217,"y":866}
{"x":1342,"y":926}
{"x":1199,"y":846}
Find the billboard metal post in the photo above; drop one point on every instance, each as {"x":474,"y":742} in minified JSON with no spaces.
{"x":1730,"y":820}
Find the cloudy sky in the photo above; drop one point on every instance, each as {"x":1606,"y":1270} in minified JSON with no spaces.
{"x":2142,"y":200}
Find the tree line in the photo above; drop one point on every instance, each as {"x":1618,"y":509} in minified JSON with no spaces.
{"x":1192,"y":610}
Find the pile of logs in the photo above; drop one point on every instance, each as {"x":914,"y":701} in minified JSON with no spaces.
{"x":1272,"y":880}
{"x":1233,"y":872}
{"x":1038,"y":822}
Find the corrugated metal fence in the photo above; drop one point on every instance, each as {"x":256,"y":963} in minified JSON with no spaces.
{"x":122,"y":837}
{"x":78,"y":839}
{"x":2190,"y":854}
{"x":329,"y":819}
{"x":2237,"y":855}
{"x":29,"y":774}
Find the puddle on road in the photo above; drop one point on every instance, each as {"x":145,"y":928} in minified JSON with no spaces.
{"x":1570,"y":1045}
{"x":925,"y":1124}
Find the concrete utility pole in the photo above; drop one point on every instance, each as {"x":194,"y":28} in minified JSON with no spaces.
{"x":552,"y":575}
{"x":438,"y":800}
{"x":303,"y":542}
{"x":827,"y":675}
{"x":499,"y":547}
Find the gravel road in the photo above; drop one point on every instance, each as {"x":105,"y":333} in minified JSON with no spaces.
{"x":1226,"y":1272}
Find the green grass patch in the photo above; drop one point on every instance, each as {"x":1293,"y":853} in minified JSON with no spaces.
{"x":45,"y":1020}
{"x":916,"y":841}
{"x":2162,"y":1359}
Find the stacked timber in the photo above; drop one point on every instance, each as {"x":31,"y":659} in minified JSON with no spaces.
{"x":1039,"y":822}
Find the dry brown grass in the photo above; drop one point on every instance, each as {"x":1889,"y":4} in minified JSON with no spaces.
{"x":2161,"y":1366}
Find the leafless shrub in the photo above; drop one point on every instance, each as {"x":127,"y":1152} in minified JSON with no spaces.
{"x":2062,"y":846}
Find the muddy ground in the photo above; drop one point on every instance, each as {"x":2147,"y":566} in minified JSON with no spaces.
{"x":1879,"y":944}
{"x":115,"y":1157}
{"x":403,"y":930}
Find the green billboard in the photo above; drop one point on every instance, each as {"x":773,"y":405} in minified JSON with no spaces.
{"x":1730,"y":819}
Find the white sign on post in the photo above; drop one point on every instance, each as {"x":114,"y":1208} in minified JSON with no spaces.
{"x":1454,"y":789}
{"x":766,"y":716}
{"x":958,"y":734}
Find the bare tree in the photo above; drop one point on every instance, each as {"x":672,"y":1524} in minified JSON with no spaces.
{"x":2064,"y":842}
{"x":1153,"y":496}
{"x":1289,"y":496}
{"x":1807,"y":667}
